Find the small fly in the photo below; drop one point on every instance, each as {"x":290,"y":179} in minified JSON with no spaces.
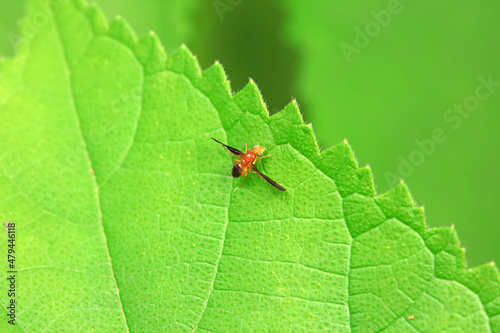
{"x":246,"y":163}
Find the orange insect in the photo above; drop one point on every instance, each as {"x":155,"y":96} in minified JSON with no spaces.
{"x":246,"y":163}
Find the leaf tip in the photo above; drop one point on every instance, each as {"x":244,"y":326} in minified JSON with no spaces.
{"x":183,"y":61}
{"x":122,"y":31}
{"x":249,"y":99}
{"x":215,"y":83}
{"x":97,"y":19}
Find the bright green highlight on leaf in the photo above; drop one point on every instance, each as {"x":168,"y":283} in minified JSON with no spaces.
{"x":128,"y":219}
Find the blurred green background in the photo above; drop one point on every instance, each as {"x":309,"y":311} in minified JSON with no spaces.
{"x":383,"y":74}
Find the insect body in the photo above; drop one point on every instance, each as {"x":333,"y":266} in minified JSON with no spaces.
{"x":246,"y":163}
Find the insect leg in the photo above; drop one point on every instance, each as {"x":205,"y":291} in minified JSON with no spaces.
{"x":246,"y":173}
{"x":259,"y":158}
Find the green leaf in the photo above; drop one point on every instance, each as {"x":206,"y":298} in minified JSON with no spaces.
{"x":397,"y":88}
{"x":127,"y":217}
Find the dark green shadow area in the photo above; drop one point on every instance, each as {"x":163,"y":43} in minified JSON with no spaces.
{"x":248,"y":40}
